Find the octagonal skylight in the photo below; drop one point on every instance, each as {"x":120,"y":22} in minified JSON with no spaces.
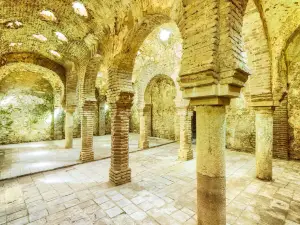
{"x":14,"y":24}
{"x":40,"y":37}
{"x":55,"y":53}
{"x":79,"y":9}
{"x":48,"y":15}
{"x":13,"y":44}
{"x":164,"y":34}
{"x":61,"y":36}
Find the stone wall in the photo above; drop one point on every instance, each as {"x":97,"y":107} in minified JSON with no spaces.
{"x":240,"y":132}
{"x":163,"y":108}
{"x":155,"y":57}
{"x":294,"y":110}
{"x":26,"y":111}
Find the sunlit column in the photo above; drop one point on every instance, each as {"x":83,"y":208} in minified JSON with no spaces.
{"x":185,"y":120}
{"x":145,"y":119}
{"x":211,"y":185}
{"x":69,"y":126}
{"x":264,"y":142}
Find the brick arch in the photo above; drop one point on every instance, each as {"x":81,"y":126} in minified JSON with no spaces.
{"x":257,"y":47}
{"x":161,"y":117}
{"x":287,"y":31}
{"x":152,"y":82}
{"x":89,"y":79}
{"x":55,"y":81}
{"x":143,"y":77}
{"x":34,"y":58}
{"x":121,"y":68}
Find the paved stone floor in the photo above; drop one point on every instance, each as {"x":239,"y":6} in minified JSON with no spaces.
{"x":162,"y":191}
{"x":28,"y":158}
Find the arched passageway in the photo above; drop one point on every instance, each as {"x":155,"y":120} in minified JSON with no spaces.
{"x":159,"y":96}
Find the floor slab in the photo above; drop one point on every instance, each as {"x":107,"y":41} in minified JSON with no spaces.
{"x":28,"y":158}
{"x":162,"y":191}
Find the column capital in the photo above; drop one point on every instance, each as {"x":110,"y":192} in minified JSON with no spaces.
{"x":89,"y":104}
{"x":70,"y":109}
{"x":123,"y":100}
{"x":145,"y":109}
{"x":264,"y":109}
{"x":185,"y":110}
{"x":212,"y":101}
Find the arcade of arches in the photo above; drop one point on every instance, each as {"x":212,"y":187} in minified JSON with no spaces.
{"x":153,"y":112}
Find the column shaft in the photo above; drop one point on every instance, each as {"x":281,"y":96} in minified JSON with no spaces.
{"x":144,"y":125}
{"x":87,"y":128}
{"x":102,"y":116}
{"x":69,"y":125}
{"x":264,"y":142}
{"x":58,"y":123}
{"x":211,"y":194}
{"x":120,"y":173}
{"x":185,"y":119}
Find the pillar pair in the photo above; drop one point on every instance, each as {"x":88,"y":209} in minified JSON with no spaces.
{"x":211,"y":182}
{"x":185,"y":134}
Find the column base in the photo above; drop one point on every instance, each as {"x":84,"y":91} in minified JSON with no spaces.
{"x":211,"y":197}
{"x":185,"y":155}
{"x":87,"y":156}
{"x":120,"y":177}
{"x":144,"y":145}
{"x":68,"y":146}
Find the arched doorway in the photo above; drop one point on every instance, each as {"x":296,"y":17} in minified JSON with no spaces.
{"x":160,"y":94}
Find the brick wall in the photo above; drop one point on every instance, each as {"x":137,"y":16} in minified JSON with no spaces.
{"x":280,"y":131}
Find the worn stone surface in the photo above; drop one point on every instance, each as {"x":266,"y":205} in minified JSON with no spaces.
{"x":158,"y":194}
{"x":27,"y":158}
{"x":213,"y":47}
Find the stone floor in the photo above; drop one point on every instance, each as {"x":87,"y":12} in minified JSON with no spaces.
{"x":162,"y":191}
{"x":28,"y":158}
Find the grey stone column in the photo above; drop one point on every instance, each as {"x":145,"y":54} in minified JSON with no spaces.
{"x":211,"y":185}
{"x":185,"y":133}
{"x":144,"y":124}
{"x":102,"y":118}
{"x":264,"y":142}
{"x":58,"y":123}
{"x":69,"y":126}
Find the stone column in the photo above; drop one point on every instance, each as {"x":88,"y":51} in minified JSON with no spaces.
{"x":101,"y":118}
{"x":120,"y":173}
{"x":87,"y":130}
{"x":58,"y":123}
{"x":69,"y":125}
{"x":264,"y":142}
{"x":145,"y":120}
{"x":177,"y":126}
{"x":185,"y":120}
{"x":211,"y":185}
